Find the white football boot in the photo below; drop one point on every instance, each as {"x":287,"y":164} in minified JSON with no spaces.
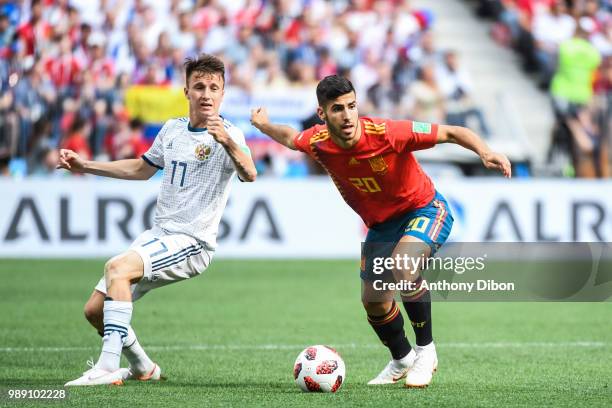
{"x":97,"y":376}
{"x":131,"y":374}
{"x":395,"y":370}
{"x":426,"y":363}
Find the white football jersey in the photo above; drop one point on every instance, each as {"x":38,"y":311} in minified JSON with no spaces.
{"x":196,"y":179}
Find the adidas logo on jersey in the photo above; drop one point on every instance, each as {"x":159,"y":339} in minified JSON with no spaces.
{"x":353,"y":162}
{"x":169,"y":145}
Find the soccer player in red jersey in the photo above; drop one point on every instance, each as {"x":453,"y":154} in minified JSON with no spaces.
{"x":371,"y":162}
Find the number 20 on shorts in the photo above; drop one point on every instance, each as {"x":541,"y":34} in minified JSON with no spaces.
{"x":418,"y":224}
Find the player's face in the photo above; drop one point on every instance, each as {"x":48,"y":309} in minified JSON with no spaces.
{"x":205,"y":93}
{"x":341,"y":117}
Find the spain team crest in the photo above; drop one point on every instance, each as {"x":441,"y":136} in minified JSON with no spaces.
{"x":378,"y":165}
{"x":202,"y":152}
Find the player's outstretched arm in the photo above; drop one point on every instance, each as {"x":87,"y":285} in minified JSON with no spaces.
{"x":281,"y":133}
{"x":129,"y":169}
{"x":470,"y":140}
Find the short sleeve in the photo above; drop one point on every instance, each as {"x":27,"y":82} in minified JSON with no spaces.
{"x":238,"y":138}
{"x":302,"y":140}
{"x":155,"y":155}
{"x":407,"y":135}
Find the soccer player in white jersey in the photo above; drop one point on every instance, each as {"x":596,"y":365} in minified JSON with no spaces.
{"x":200,"y":155}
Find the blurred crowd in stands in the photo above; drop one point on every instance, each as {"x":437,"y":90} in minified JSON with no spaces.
{"x":66,"y":65}
{"x":567,"y":46}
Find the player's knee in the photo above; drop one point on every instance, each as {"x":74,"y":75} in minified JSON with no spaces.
{"x":377,"y":308}
{"x":114,"y":270}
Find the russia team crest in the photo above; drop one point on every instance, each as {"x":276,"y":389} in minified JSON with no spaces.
{"x":202,"y":152}
{"x":378,"y":165}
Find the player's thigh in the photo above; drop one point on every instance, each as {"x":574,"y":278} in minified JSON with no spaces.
{"x":378,"y":246}
{"x":126,"y":266}
{"x":431,"y":224}
{"x":412,"y":252}
{"x":170,"y":258}
{"x":427,"y":230}
{"x":101,"y":286}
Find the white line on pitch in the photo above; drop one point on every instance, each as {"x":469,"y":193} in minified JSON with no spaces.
{"x":187,"y":347}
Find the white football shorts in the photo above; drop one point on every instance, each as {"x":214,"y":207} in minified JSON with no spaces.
{"x":167,"y":258}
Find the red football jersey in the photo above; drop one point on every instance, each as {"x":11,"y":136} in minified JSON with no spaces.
{"x":379,"y":177}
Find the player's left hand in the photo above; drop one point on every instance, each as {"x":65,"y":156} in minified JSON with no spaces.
{"x":497,"y":161}
{"x":216,"y":129}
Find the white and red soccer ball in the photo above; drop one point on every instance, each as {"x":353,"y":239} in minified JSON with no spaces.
{"x":319,"y":369}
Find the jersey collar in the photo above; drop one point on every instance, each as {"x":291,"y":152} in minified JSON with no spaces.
{"x":195,"y":129}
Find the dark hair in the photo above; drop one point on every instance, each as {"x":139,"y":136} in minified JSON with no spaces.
{"x":78,"y":123}
{"x":204,"y":63}
{"x":331,"y":87}
{"x":136,"y":124}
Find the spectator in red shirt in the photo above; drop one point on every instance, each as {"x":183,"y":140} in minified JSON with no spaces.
{"x":100,"y":66}
{"x":64,"y":69}
{"x":34,"y":30}
{"x":137,"y":140}
{"x":77,"y":138}
{"x":128,"y":142}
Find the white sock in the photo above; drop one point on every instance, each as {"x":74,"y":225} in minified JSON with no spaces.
{"x":133,"y":351}
{"x":117,"y":316}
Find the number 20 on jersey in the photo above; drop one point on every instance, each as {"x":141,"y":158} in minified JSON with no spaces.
{"x":365,"y":184}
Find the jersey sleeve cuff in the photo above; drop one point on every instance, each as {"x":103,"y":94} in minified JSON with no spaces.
{"x":296,"y":141}
{"x":150,"y":163}
{"x":434,"y":135}
{"x":245,"y":149}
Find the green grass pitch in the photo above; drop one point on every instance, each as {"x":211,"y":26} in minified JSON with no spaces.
{"x":229,"y":338}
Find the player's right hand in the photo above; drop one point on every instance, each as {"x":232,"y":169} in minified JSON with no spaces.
{"x":70,"y":161}
{"x":259,"y":117}
{"x":497,"y":161}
